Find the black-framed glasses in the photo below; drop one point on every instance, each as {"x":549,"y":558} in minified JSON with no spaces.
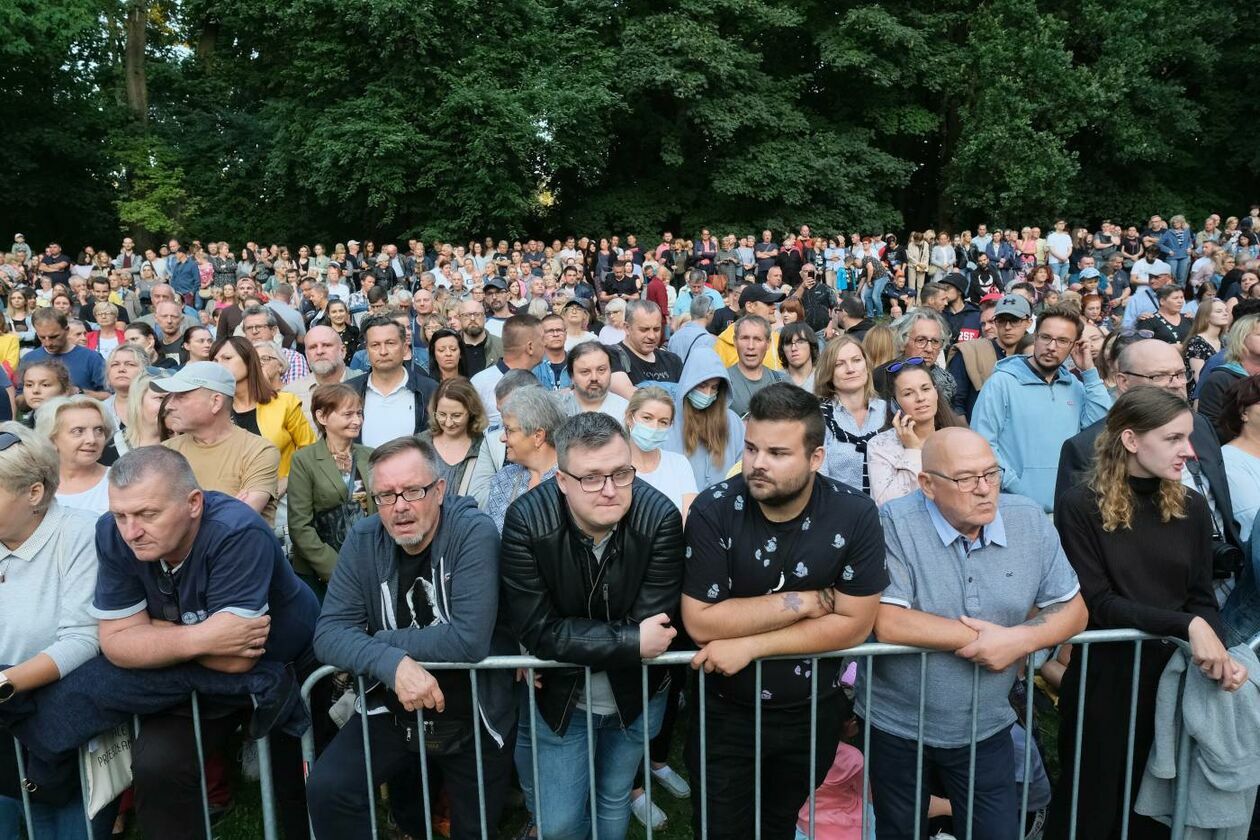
{"x":968,"y":483}
{"x":1129,"y":332}
{"x":169,"y":588}
{"x":1160,"y":379}
{"x":413,"y":494}
{"x":913,"y":361}
{"x":595,"y":482}
{"x":8,"y":439}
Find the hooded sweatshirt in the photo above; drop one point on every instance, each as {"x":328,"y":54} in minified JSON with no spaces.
{"x":702,"y":365}
{"x":729,"y":355}
{"x":1027,"y":420}
{"x":357,"y":629}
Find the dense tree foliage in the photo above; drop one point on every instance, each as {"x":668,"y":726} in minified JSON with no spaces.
{"x":296,"y":119}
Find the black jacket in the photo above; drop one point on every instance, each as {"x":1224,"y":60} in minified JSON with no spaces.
{"x":817,"y":303}
{"x":1077,"y":456}
{"x":564,"y":606}
{"x":421,"y":386}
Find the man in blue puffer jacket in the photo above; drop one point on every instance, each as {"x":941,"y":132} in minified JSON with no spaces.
{"x":1032,"y":404}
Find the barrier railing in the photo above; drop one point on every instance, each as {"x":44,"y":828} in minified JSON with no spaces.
{"x":864,"y":654}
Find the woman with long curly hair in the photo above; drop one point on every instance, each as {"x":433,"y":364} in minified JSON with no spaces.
{"x":1141,"y":544}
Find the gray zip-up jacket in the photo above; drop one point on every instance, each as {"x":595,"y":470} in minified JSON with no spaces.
{"x":357,"y":630}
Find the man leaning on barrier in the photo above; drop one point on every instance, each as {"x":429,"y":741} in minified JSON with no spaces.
{"x":418,"y":583}
{"x":192,"y":576}
{"x":592,"y":568}
{"x":780,"y":561}
{"x":968,"y":566}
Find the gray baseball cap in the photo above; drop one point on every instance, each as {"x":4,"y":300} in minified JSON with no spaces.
{"x":1016,"y":306}
{"x":210,"y":375}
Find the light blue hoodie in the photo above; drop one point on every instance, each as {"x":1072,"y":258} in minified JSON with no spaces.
{"x":1027,"y":420}
{"x":704,"y":364}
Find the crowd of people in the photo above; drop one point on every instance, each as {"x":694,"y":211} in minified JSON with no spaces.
{"x":222,"y":468}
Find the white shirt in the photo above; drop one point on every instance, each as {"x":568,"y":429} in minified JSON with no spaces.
{"x":673,"y":476}
{"x":494,"y":326}
{"x":95,"y":499}
{"x":572,"y":341}
{"x":339,"y":290}
{"x":484,"y":382}
{"x":613,"y":405}
{"x":1060,"y":245}
{"x":387,"y":415}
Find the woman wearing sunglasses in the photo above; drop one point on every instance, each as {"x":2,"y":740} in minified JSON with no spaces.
{"x":895,"y":455}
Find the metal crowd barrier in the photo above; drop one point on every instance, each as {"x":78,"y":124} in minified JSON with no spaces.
{"x":867,"y":652}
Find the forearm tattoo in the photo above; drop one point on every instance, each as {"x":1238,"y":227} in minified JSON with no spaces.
{"x":792,"y":602}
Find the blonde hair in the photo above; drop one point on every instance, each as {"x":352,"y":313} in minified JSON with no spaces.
{"x":135,"y":411}
{"x":652,"y":393}
{"x":826,"y":369}
{"x":879,"y":344}
{"x":709,"y":427}
{"x":33,"y":461}
{"x":1138,"y":410}
{"x":1238,"y":333}
{"x":48,"y":418}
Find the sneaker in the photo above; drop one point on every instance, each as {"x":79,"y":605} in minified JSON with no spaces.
{"x":639,"y":807}
{"x":1035,"y":825}
{"x":671,"y":781}
{"x":528,"y":831}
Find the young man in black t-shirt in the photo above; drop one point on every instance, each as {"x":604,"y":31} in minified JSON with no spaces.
{"x":780,"y":560}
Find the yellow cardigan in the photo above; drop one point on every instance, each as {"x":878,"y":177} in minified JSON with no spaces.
{"x":282,"y":422}
{"x":9,"y":349}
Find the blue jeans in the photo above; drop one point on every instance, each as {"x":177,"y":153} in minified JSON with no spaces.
{"x":52,"y":822}
{"x":1060,"y":270}
{"x":565,"y":789}
{"x":1180,"y":269}
{"x":891,"y":763}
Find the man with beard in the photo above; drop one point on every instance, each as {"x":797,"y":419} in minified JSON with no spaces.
{"x":481,"y":348}
{"x":496,"y":302}
{"x":590,"y":368}
{"x":1032,"y":404}
{"x":325,"y":355}
{"x":817,"y":548}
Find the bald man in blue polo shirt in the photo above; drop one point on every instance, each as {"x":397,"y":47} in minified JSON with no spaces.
{"x":967,"y":566}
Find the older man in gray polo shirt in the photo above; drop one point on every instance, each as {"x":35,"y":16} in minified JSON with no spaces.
{"x":967,"y":567}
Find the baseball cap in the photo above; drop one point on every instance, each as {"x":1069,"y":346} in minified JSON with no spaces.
{"x":759,"y":293}
{"x":1087,"y":273}
{"x":1017,"y":306}
{"x":991,"y":297}
{"x":956,"y":280}
{"x":353,"y":242}
{"x":1159,"y":267}
{"x":578,"y":302}
{"x":19,"y":236}
{"x":495,"y":283}
{"x":210,"y":375}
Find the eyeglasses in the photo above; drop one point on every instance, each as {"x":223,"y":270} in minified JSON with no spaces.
{"x":1057,"y":341}
{"x":8,"y":439}
{"x":924,"y":341}
{"x":1129,"y":332}
{"x":414,"y":494}
{"x":623,"y":477}
{"x":913,"y":361}
{"x":167,"y":586}
{"x":968,"y":483}
{"x":1159,"y":379}
{"x":798,"y":342}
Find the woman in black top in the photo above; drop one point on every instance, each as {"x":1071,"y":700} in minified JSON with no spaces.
{"x":1141,"y":544}
{"x":1168,"y":323}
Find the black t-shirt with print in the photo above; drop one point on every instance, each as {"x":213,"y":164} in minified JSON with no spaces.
{"x":733,"y":551}
{"x":666,"y":368}
{"x":416,"y":606}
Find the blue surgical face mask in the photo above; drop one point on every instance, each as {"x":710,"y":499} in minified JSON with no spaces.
{"x":647,"y":438}
{"x":699,"y":399}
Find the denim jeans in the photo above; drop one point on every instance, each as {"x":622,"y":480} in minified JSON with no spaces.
{"x":1060,"y":271}
{"x":1180,"y":269}
{"x":565,"y":786}
{"x":52,"y":822}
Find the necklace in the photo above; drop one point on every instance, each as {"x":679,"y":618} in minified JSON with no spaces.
{"x":343,"y":460}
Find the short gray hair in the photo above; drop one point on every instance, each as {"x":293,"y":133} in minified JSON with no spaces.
{"x":265,"y":311}
{"x":399,"y":445}
{"x":534,"y":409}
{"x":902,"y":326}
{"x":697,"y":274}
{"x":753,"y":321}
{"x":33,"y":461}
{"x":701,"y":306}
{"x":48,"y":418}
{"x":513,"y":379}
{"x":634,"y":307}
{"x":164,"y":465}
{"x":587,"y":430}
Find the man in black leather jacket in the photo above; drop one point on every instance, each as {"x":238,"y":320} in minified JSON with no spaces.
{"x":592,"y":565}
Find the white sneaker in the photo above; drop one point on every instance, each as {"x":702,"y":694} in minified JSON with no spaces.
{"x":671,"y":781}
{"x":639,"y":807}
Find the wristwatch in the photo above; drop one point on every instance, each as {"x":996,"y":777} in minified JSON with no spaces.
{"x":7,"y":688}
